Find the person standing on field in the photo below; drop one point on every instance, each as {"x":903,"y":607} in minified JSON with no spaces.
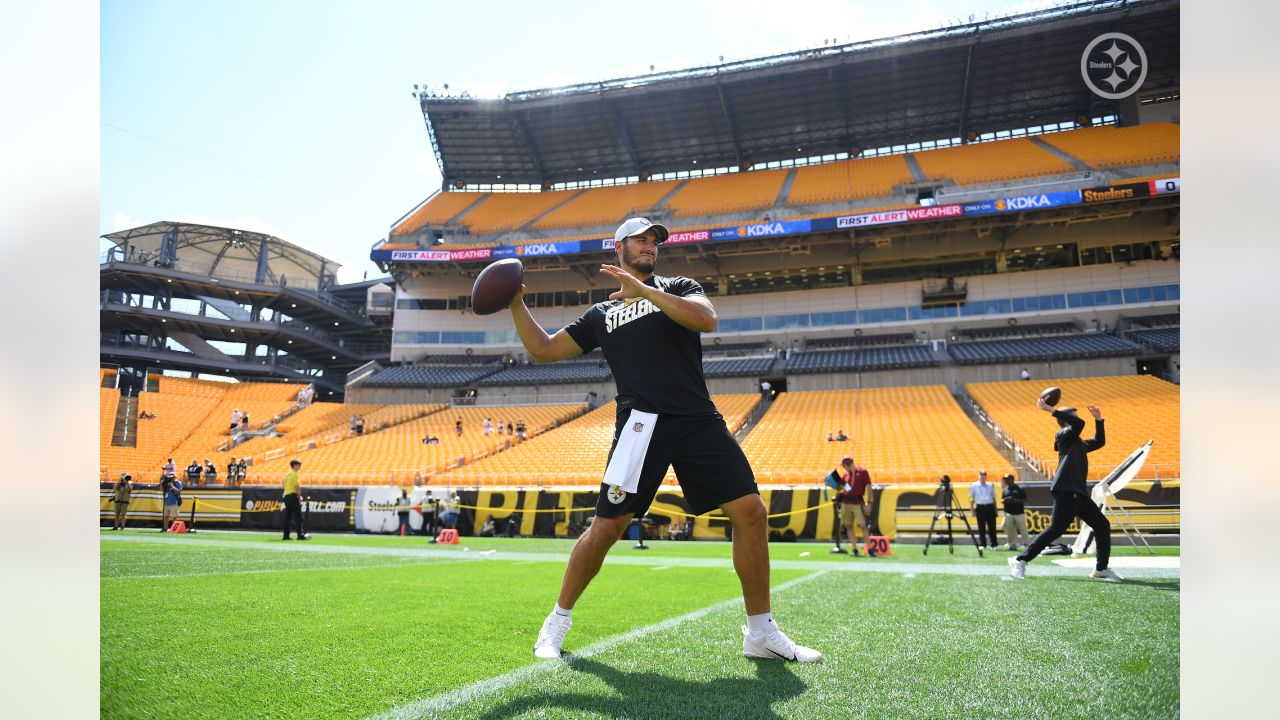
{"x":649,"y":332}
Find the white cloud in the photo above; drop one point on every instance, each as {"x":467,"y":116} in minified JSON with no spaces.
{"x":123,"y":221}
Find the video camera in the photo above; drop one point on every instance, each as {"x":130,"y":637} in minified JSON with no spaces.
{"x":833,"y":481}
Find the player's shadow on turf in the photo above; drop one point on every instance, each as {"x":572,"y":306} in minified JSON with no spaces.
{"x":647,"y":694}
{"x":1166,"y":585}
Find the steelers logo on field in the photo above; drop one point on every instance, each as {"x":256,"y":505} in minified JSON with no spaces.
{"x":616,"y":495}
{"x":1113,"y":66}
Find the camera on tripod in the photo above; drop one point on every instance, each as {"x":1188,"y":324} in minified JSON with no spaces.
{"x":945,"y":495}
{"x":946,"y":508}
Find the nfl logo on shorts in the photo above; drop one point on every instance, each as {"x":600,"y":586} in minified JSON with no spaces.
{"x":638,"y":427}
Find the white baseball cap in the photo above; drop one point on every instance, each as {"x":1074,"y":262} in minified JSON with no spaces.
{"x":636,"y":226}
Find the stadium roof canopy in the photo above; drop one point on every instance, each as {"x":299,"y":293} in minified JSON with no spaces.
{"x":232,"y":254}
{"x":990,"y":74}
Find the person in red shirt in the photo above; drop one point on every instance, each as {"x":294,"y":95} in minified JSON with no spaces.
{"x":856,"y":495}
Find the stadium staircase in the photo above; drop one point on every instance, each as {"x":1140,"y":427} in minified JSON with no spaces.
{"x":1026,"y":470}
{"x":1075,"y":162}
{"x":533,"y":220}
{"x":943,"y":357}
{"x":757,"y":412}
{"x":226,"y":307}
{"x":125,"y":432}
{"x":199,"y":346}
{"x":917,"y":173}
{"x":661,"y":206}
{"x":268,"y":429}
{"x":785,"y":191}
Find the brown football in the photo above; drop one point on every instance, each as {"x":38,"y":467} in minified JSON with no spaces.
{"x":1051,"y":396}
{"x":496,"y":286}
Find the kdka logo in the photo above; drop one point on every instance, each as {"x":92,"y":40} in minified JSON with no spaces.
{"x":1114,"y":66}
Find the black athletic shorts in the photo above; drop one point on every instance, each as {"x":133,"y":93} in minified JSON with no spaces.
{"x":710,"y":466}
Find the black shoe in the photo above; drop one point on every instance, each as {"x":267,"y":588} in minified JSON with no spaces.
{"x":854,"y":552}
{"x":286,"y":537}
{"x":304,"y":537}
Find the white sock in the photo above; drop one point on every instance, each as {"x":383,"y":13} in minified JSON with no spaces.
{"x":563,"y":612}
{"x":762,"y":623}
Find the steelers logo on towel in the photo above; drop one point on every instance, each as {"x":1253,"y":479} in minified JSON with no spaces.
{"x":616,"y":495}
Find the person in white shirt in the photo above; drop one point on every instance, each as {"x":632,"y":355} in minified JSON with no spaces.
{"x":1026,"y":374}
{"x":488,"y":427}
{"x":982,"y":500}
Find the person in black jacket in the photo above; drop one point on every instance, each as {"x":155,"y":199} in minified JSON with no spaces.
{"x":1070,"y":491}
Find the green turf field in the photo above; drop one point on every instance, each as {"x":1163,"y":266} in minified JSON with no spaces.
{"x":241,"y":625}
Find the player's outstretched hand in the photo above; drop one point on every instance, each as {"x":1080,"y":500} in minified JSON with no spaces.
{"x":1095,"y":412}
{"x":1040,"y":403}
{"x":519,"y":298}
{"x":631,"y":287}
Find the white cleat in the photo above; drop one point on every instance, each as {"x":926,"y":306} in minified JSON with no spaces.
{"x":551,"y":637}
{"x":776,"y":646}
{"x":1109,"y":575}
{"x":1018,"y":568}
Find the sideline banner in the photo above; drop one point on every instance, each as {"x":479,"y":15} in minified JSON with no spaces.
{"x":214,"y":506}
{"x":796,"y":512}
{"x":910,"y":508}
{"x":323,"y":509}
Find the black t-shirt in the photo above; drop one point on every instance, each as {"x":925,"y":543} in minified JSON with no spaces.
{"x":193,"y":470}
{"x":1014,"y":498}
{"x":656,"y":362}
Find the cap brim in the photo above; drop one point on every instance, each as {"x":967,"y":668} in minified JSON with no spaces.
{"x":658,"y":228}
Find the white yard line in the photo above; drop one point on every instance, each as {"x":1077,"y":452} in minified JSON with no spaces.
{"x":429,"y":707}
{"x":1041,"y":567}
{"x":325,"y":568}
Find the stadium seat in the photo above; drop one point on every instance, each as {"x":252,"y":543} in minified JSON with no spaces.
{"x":736,"y":367}
{"x":904,"y":435}
{"x":1167,"y":340}
{"x":438,"y":210}
{"x":848,"y":180}
{"x":1136,"y":409}
{"x":1108,"y":146}
{"x":990,"y":162}
{"x":551,"y":374}
{"x":192,"y":420}
{"x":504,"y":211}
{"x":607,"y":205}
{"x":431,"y":376}
{"x":734,"y":192}
{"x":575,"y":453}
{"x":869,"y":358}
{"x":398,"y":456}
{"x":1065,"y":347}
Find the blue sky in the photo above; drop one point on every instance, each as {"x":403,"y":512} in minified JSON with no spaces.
{"x":295,"y":118}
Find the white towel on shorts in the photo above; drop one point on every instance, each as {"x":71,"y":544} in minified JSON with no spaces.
{"x":628,"y":454}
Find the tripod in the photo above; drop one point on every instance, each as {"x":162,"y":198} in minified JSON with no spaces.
{"x":835,"y":507}
{"x":947,"y":506}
